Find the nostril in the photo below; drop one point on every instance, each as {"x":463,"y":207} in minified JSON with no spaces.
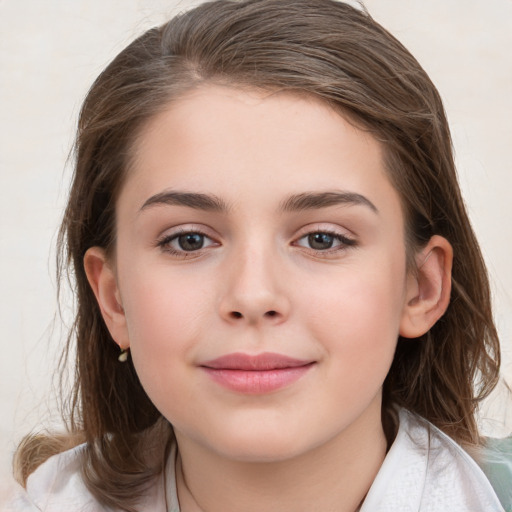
{"x":238,"y":315}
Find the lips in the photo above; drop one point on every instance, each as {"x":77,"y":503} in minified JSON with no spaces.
{"x":258,"y":374}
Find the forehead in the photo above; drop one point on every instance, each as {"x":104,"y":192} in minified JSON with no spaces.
{"x":245,"y":145}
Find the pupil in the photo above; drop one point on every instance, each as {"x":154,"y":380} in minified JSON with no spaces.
{"x":320,"y":241}
{"x":191,"y":241}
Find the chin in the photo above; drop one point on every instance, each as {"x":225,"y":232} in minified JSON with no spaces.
{"x":265,"y":445}
{"x":263,"y":451}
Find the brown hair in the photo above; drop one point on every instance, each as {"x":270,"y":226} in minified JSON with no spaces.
{"x":333,"y":52}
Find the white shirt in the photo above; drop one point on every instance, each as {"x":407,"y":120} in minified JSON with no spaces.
{"x":424,"y":471}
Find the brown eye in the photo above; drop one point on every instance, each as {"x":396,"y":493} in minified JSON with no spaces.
{"x":185,"y":242}
{"x":320,"y":241}
{"x":190,"y":241}
{"x":324,"y":241}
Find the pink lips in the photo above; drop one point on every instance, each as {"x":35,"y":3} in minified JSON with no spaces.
{"x":258,"y":374}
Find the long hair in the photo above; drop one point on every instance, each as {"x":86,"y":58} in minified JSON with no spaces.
{"x":341,"y":56}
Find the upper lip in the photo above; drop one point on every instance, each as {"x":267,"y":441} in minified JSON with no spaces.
{"x":261,"y":362}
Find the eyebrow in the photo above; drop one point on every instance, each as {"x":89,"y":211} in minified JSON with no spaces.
{"x":317,"y":200}
{"x":194,"y":200}
{"x":295,"y":203}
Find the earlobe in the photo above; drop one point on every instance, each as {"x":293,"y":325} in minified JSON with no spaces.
{"x":102,"y":279}
{"x":428,"y":289}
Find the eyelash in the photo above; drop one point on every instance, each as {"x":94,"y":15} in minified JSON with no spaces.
{"x":345,"y":242}
{"x":164,"y":243}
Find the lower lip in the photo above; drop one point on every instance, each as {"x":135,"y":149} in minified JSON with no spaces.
{"x":257,"y":382}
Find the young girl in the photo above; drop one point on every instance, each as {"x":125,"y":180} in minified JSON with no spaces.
{"x":281,"y":304}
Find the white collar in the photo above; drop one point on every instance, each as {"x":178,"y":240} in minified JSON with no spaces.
{"x":426,"y":471}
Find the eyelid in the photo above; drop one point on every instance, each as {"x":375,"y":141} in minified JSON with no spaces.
{"x":181,"y":229}
{"x":325,"y":227}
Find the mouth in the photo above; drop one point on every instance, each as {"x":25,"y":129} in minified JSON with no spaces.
{"x":259,"y":374}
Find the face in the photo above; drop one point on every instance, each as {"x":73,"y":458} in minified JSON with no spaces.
{"x":260,"y":264}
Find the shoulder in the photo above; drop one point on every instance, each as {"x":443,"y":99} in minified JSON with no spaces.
{"x":56,"y":486}
{"x":454,"y":480}
{"x":427,"y":471}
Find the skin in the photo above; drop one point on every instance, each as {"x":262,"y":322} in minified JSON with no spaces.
{"x":257,"y":285}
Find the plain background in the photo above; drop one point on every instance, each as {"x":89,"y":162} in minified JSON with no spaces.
{"x":50,"y":52}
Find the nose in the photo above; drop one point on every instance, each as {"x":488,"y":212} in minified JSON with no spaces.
{"x":254,"y":291}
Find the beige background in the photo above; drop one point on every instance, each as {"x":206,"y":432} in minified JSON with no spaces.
{"x":51,"y":51}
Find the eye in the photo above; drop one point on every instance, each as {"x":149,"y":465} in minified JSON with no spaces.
{"x":325,"y":241}
{"x":190,"y":241}
{"x":185,"y":242}
{"x":320,"y":241}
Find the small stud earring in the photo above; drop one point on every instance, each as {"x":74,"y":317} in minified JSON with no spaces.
{"x":123,"y":356}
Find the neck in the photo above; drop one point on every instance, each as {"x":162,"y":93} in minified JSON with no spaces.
{"x":332,"y":477}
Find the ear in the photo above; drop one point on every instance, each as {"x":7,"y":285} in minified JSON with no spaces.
{"x":103,"y":281}
{"x":428,"y":288}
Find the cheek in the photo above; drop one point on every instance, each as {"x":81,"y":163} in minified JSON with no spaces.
{"x":358,"y":316}
{"x":163,"y":319}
